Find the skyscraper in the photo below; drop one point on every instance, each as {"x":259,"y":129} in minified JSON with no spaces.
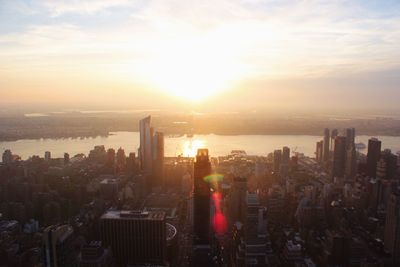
{"x":326,"y":145}
{"x":151,"y":152}
{"x":285,"y":155}
{"x":158,"y":158}
{"x":387,"y":165}
{"x":374,"y":154}
{"x":351,"y":154}
{"x":334,"y":133}
{"x":121,"y":158}
{"x":47,"y":155}
{"x":110,"y":157}
{"x":319,"y":151}
{"x":392,"y":228}
{"x":339,"y":157}
{"x":135,"y":237}
{"x":201,"y":197}
{"x":351,"y":162}
{"x":7,"y":157}
{"x":350,"y":137}
{"x":237,"y":199}
{"x":277,"y":160}
{"x":146,"y":138}
{"x":58,"y":246}
{"x":66,"y":158}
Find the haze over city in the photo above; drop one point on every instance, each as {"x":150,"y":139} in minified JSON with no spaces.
{"x":196,"y":133}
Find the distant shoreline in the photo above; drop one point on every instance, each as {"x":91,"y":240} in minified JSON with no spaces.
{"x":172,"y":135}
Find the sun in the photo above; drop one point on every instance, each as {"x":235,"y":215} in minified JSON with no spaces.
{"x":190,"y":147}
{"x":193,"y":70}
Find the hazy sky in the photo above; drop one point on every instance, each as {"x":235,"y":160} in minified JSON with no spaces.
{"x":207,"y":53}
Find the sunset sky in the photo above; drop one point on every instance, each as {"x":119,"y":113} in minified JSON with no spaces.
{"x":230,"y":54}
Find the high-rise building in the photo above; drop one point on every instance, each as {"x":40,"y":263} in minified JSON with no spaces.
{"x":319,"y":151}
{"x":350,"y":137}
{"x":158,"y":158}
{"x":7,"y":157}
{"x":151,"y":152}
{"x":374,"y":154}
{"x":237,"y":199}
{"x":284,"y":167}
{"x":58,"y":246}
{"x":351,"y":162}
{"x":95,"y":255}
{"x":131,"y":163}
{"x":392,"y":228}
{"x":339,"y":157}
{"x":255,"y":243}
{"x":47,"y":155}
{"x":121,"y":158}
{"x":135,"y":237}
{"x":66,"y":158}
{"x":387,"y":165}
{"x":201,"y":197}
{"x":285,"y":155}
{"x":110,"y":157}
{"x":334,"y":133}
{"x":146,"y":139}
{"x":275,"y":205}
{"x":326,"y":149}
{"x":277,"y":160}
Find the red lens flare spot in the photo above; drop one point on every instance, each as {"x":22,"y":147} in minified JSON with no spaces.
{"x":219,"y":223}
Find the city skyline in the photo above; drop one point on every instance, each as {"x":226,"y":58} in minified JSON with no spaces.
{"x":206,"y":55}
{"x":221,"y":133}
{"x":112,"y":208}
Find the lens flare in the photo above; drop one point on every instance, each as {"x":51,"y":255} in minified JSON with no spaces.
{"x":219,"y":223}
{"x":213,"y":180}
{"x":219,"y":220}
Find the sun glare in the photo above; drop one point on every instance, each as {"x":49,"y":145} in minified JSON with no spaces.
{"x":190,"y":147}
{"x":193,"y":70}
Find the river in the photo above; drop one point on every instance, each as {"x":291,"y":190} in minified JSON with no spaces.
{"x":218,"y":145}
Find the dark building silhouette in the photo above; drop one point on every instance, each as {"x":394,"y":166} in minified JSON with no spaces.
{"x":158,"y":158}
{"x":392,"y":228}
{"x":151,"y":152}
{"x":131,"y":163}
{"x":285,"y":155}
{"x":145,"y":150}
{"x":201,"y":210}
{"x":373,"y":156}
{"x":58,"y":246}
{"x":201,"y":197}
{"x":277,"y":160}
{"x":95,"y":255}
{"x":319,"y":151}
{"x":350,"y":137}
{"x":237,"y":199}
{"x":326,"y":147}
{"x":135,"y":237}
{"x":7,"y":157}
{"x":66,"y":158}
{"x":351,"y":162}
{"x":387,"y":165}
{"x":334,"y":133}
{"x":121,"y":159}
{"x":339,"y":157}
{"x":110,"y":157}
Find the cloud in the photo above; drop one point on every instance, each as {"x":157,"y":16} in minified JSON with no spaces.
{"x":272,"y":41}
{"x":61,"y":7}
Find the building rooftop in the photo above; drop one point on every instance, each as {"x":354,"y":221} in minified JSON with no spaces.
{"x":109,"y":181}
{"x":134,"y":214}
